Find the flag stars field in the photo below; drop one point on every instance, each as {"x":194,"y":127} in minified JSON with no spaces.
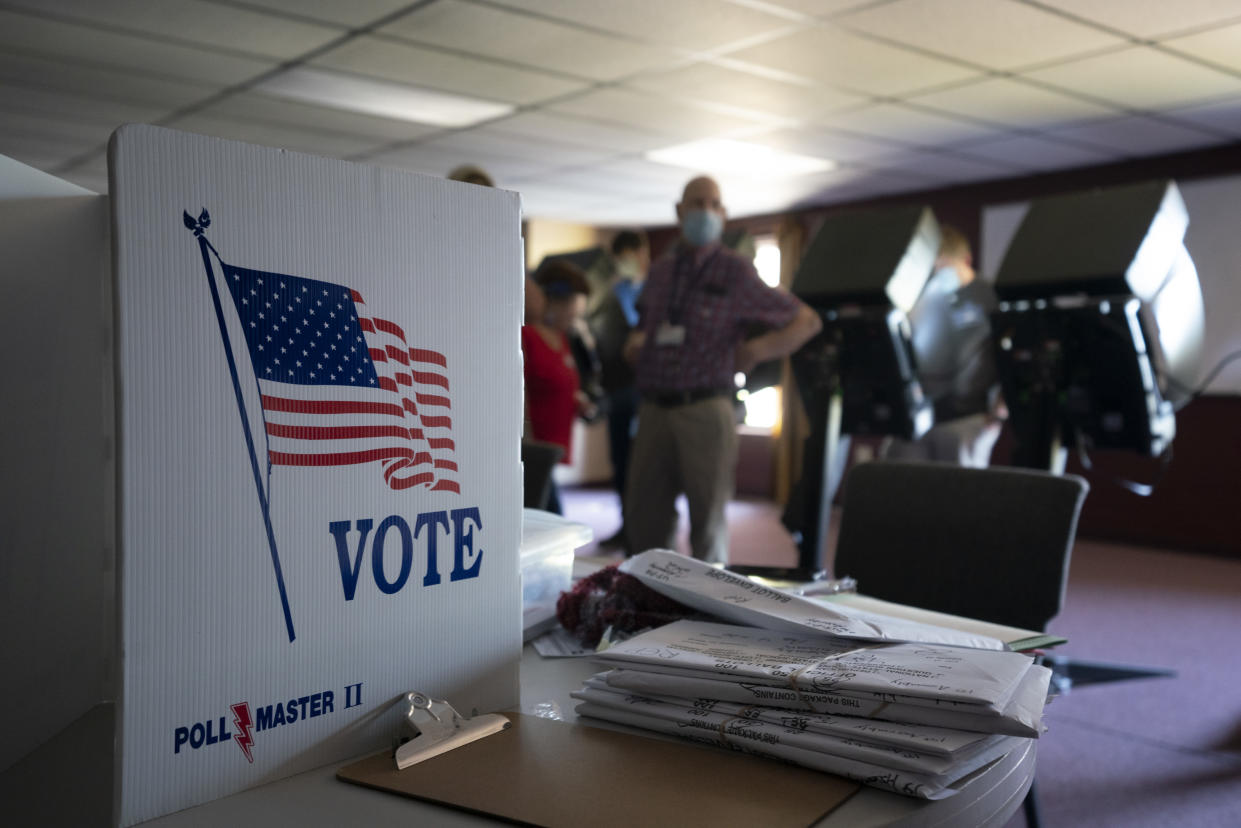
{"x":377,"y":404}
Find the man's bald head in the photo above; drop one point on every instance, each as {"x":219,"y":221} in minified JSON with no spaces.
{"x":701,"y":193}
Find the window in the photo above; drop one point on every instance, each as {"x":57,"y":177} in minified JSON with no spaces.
{"x":762,"y":408}
{"x":767,"y":260}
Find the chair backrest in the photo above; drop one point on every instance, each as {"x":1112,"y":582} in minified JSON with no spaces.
{"x":992,"y":544}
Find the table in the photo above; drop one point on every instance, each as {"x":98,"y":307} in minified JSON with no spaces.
{"x":34,"y":787}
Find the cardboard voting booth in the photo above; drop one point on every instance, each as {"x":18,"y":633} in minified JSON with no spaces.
{"x":284,"y":420}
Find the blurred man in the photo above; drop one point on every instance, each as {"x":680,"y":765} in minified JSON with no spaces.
{"x":695,"y":308}
{"x":952,"y":340}
{"x":613,"y":319}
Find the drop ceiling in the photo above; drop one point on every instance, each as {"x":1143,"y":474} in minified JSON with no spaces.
{"x":902,"y":95}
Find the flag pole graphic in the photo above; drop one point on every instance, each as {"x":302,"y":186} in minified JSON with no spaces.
{"x":198,"y":226}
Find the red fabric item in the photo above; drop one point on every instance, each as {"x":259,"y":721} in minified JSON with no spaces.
{"x":551,"y":383}
{"x":611,"y":598}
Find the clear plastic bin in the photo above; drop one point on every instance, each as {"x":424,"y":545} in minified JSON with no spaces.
{"x":548,"y":543}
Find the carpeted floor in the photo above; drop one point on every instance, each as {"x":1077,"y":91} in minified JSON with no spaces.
{"x":1155,"y":752}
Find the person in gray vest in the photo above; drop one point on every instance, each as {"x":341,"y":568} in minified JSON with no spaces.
{"x":951,"y":330}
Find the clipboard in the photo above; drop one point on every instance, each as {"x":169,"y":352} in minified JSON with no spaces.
{"x":560,"y":775}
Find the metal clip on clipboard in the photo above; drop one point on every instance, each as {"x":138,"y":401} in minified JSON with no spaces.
{"x":440,"y":728}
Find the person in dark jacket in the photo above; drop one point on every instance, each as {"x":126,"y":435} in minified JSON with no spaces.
{"x":611,"y":322}
{"x":951,"y":331}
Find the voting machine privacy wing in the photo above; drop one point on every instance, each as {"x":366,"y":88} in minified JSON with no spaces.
{"x":1100,"y":311}
{"x":862,"y":274}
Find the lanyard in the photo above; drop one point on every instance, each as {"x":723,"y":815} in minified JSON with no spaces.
{"x":685,"y":277}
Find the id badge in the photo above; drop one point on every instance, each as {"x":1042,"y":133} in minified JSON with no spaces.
{"x":670,"y":336}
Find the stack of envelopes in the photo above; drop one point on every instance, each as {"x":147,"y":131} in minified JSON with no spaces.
{"x":918,"y":717}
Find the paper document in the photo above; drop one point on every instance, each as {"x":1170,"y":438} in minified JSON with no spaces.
{"x":978,"y":678}
{"x":761,"y":739}
{"x":741,"y":600}
{"x":1021,"y":718}
{"x":1016,"y":638}
{"x":928,"y":748}
{"x":981,"y":683}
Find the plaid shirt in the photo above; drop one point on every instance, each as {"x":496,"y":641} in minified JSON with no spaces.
{"x":718,"y":302}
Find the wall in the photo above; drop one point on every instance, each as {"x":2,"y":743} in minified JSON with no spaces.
{"x":544,"y":236}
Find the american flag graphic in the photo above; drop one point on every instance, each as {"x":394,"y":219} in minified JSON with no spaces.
{"x":340,"y":387}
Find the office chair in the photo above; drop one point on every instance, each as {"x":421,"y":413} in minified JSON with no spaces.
{"x":537,"y":461}
{"x":992,"y":544}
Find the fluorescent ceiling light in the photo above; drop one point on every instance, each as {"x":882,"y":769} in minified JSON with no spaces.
{"x":377,"y":97}
{"x":729,"y":157}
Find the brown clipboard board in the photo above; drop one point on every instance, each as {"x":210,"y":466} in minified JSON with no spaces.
{"x":560,"y":775}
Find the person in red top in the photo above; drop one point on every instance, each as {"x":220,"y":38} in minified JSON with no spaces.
{"x":553,"y":390}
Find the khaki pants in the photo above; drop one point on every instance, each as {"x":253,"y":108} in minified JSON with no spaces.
{"x":688,"y":448}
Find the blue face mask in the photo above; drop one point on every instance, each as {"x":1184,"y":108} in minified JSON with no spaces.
{"x":944,"y":280}
{"x":701,"y":227}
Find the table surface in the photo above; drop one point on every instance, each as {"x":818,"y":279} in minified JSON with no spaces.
{"x":317,"y":798}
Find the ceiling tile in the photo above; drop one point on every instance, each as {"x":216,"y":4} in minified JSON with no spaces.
{"x":941,"y":168}
{"x":353,"y":14}
{"x":533,"y":41}
{"x":698,"y":25}
{"x":541,"y":201}
{"x":494,"y":140}
{"x":16,"y":98}
{"x":664,"y":179}
{"x":1138,"y":136}
{"x":1036,"y":154}
{"x":1223,"y":115}
{"x":449,"y":73}
{"x":719,"y":84}
{"x":751,"y":197}
{"x":331,"y":144}
{"x":598,"y":185}
{"x":865,"y":184}
{"x":820,"y":8}
{"x":39,"y":150}
{"x":818,"y":142}
{"x":583,"y":131}
{"x":85,"y":45}
{"x":1150,"y":18}
{"x":255,"y":106}
{"x":1140,"y":78}
{"x":229,"y":28}
{"x":624,"y":213}
{"x":73,"y":131}
{"x":668,"y":116}
{"x":440,"y":160}
{"x":101,"y":85}
{"x":998,"y":35}
{"x":1012,"y":103}
{"x":899,"y":122}
{"x":1220,"y":46}
{"x":838,"y":58}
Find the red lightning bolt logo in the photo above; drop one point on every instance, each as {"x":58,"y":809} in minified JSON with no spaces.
{"x":241,"y":718}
